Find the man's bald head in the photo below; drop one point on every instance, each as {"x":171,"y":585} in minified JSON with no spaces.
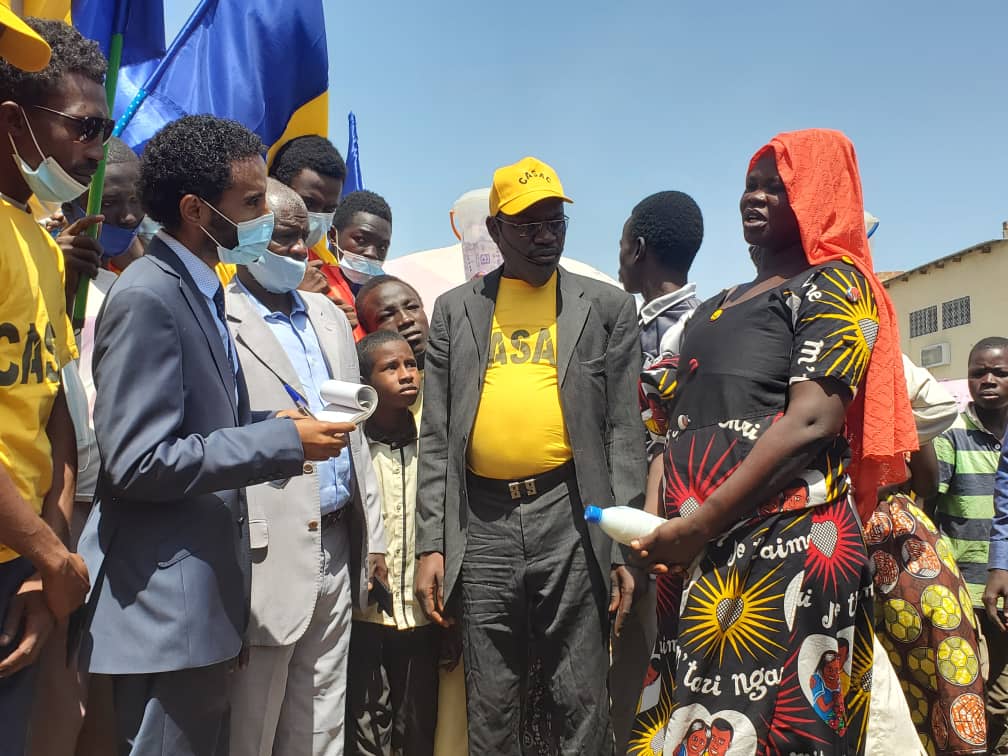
{"x":290,"y":224}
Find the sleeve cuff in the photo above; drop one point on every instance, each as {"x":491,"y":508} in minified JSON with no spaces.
{"x":998,"y":556}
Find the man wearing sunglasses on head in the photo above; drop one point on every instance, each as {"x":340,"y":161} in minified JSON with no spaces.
{"x":45,"y":152}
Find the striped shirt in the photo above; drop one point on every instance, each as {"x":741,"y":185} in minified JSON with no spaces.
{"x":968,"y":456}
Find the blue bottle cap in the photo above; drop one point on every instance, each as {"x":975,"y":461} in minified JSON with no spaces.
{"x":593,"y":514}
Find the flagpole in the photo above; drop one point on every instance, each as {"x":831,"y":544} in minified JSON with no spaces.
{"x":155,"y":77}
{"x":98,"y":180}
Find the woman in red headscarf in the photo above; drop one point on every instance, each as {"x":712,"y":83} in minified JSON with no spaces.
{"x":789,"y":387}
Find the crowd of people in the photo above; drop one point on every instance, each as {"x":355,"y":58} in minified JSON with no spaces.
{"x":192,"y":561}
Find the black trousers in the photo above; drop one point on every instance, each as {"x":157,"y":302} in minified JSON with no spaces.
{"x":15,"y":691}
{"x":180,"y":713}
{"x":535,"y":626}
{"x":392,"y":690}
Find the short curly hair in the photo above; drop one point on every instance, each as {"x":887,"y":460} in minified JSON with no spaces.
{"x":311,"y":151}
{"x":192,"y":155}
{"x":671,"y":225}
{"x":360,"y":202}
{"x":71,"y":54}
{"x":119,"y":152}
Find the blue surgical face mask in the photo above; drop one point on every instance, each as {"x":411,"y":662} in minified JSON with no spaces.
{"x":318,"y":224}
{"x":358,"y":268}
{"x":49,"y":182}
{"x":253,"y":239}
{"x":115,"y":239}
{"x":278,"y":273}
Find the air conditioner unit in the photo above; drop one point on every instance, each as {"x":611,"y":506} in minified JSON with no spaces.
{"x":936,"y":355}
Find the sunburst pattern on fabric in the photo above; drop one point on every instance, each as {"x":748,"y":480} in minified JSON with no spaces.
{"x":684,"y":496}
{"x":791,"y":715}
{"x":648,"y":735}
{"x":835,"y":549}
{"x":848,"y":301}
{"x":859,"y":695}
{"x":727,"y":613}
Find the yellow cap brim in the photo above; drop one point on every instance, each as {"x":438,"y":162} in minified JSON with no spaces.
{"x":524,"y":201}
{"x":20,"y":45}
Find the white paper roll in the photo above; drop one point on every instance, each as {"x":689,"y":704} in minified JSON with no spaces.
{"x":347,"y":402}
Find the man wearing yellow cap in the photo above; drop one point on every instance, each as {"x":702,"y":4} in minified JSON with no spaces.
{"x":531,"y":414}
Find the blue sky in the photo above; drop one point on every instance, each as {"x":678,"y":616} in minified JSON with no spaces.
{"x":629,"y":98}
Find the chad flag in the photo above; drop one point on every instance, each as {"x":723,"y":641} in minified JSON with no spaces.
{"x":260,"y":62}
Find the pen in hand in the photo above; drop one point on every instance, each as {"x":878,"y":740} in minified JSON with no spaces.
{"x":299,"y":401}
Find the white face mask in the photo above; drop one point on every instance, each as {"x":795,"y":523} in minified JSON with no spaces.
{"x":318,"y":224}
{"x":253,"y":238}
{"x":50,"y":183}
{"x":278,"y":273}
{"x":358,"y":268}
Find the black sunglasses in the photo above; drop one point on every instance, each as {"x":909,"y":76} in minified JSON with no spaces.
{"x":557,"y":227}
{"x":88,"y":127}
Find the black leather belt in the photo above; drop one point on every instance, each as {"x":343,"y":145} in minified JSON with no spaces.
{"x":525,"y":487}
{"x":331,"y":519}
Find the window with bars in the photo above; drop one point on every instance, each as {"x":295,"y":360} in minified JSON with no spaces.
{"x":956,"y":312}
{"x":924,"y":321}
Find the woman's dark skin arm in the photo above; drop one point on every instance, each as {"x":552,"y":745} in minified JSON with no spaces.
{"x":924,"y":472}
{"x":814,"y":416}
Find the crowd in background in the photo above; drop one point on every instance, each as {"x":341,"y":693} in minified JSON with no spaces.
{"x":194,"y":560}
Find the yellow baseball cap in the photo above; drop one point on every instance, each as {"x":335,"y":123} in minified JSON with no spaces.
{"x":519,"y":186}
{"x":20,"y":45}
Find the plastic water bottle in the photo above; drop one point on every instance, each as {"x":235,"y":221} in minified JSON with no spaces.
{"x":623,"y":524}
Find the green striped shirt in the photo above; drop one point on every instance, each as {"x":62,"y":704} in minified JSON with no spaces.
{"x":967,"y":459}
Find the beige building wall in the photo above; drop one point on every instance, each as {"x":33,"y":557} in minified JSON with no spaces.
{"x":981,"y":273}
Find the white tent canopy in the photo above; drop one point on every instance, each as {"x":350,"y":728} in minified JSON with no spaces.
{"x":434,"y":271}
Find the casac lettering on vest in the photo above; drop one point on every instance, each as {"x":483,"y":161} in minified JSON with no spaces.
{"x":522,"y":349}
{"x":33,"y":365}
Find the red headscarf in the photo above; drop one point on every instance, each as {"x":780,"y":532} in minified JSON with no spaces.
{"x":820,"y":173}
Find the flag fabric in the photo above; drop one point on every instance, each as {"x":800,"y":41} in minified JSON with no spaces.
{"x":259,"y":62}
{"x":141,"y":22}
{"x":354,"y":179}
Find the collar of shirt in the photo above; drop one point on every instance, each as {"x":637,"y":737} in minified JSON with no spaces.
{"x":265,"y":312}
{"x":972,"y":416}
{"x":203,"y":275}
{"x":656,"y":307}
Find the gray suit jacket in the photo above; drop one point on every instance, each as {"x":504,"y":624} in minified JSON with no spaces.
{"x":167,"y":540}
{"x":598,"y":361}
{"x":284,"y":516}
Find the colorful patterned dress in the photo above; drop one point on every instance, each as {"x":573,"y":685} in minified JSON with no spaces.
{"x":773,"y":651}
{"x":926,"y":624}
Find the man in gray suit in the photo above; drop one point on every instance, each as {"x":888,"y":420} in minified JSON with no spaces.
{"x":315,"y":539}
{"x":168,"y":539}
{"x":531,"y":412}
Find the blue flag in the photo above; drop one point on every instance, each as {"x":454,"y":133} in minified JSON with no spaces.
{"x":354,"y":180}
{"x":260,"y":62}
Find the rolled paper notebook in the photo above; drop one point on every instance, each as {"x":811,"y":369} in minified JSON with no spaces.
{"x":347,"y":402}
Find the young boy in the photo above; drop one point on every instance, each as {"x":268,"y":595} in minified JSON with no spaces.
{"x":393,"y":666}
{"x":968,"y":455}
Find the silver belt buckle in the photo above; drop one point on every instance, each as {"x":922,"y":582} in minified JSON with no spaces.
{"x":530,"y":487}
{"x":514,"y":488}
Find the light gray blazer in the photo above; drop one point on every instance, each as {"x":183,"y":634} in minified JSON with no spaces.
{"x":284,"y":517}
{"x":598,"y":363}
{"x":166,"y":543}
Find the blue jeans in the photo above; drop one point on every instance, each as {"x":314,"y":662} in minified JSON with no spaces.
{"x":16,"y":690}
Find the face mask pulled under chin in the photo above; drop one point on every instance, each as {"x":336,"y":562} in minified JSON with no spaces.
{"x":253,"y":239}
{"x":318,"y":224}
{"x":357,"y":268}
{"x":277,"y":273}
{"x":50,"y":183}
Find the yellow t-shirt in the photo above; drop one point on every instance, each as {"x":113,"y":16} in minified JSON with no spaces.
{"x":36,"y":342}
{"x":519,"y":430}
